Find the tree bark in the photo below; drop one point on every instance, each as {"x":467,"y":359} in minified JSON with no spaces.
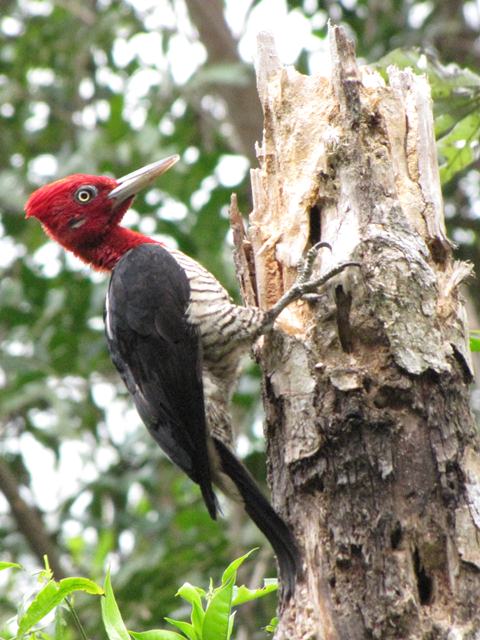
{"x":373,"y":452}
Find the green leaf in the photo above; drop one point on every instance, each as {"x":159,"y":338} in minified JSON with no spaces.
{"x":51,"y":596}
{"x":193,"y":595}
{"x":9,"y":565}
{"x":272,"y":626}
{"x":231,"y":570}
{"x":230,"y":625}
{"x":190,"y":593}
{"x":475,"y":340}
{"x":244,"y":594}
{"x":459,"y":148}
{"x":111,"y":616}
{"x":185,"y":627}
{"x":217,"y":616}
{"x":156,"y":634}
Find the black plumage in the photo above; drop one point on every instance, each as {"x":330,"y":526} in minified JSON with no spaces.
{"x":158,"y":355}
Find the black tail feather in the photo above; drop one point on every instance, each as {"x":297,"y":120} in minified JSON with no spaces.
{"x":210,"y":498}
{"x":263,"y":515}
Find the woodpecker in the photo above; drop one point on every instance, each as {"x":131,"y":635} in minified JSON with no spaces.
{"x":174,"y":335}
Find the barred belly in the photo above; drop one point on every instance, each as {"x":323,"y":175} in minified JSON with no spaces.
{"x":225,"y":329}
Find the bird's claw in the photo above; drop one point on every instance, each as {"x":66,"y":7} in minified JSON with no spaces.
{"x":311,"y":297}
{"x":310,"y":286}
{"x":305,"y":267}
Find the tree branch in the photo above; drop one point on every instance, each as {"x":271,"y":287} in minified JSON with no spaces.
{"x":241,"y":99}
{"x":29,"y":522}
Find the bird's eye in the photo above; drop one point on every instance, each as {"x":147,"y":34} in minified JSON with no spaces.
{"x":85,"y":194}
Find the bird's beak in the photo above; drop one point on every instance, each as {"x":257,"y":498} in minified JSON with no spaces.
{"x":132,"y":183}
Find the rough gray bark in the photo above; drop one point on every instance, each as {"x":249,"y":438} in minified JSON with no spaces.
{"x":374,"y":455}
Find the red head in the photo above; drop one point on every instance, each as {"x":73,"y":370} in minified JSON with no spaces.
{"x":82,"y":212}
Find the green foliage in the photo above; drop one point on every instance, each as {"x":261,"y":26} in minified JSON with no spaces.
{"x":475,"y":340}
{"x":9,"y":565}
{"x":212,"y":617}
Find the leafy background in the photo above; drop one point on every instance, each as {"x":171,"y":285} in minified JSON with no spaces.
{"x":105,"y":86}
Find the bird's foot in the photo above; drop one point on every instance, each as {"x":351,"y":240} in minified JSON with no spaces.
{"x":305,"y":285}
{"x":305,"y":267}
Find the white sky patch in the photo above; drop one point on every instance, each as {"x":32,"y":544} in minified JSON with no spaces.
{"x":154,"y":196}
{"x":106,"y":77}
{"x":86,"y":118}
{"x":75,"y":264}
{"x":290,"y":30}
{"x":75,"y":462}
{"x":147,"y":225}
{"x":10,"y":26}
{"x":122,"y":420}
{"x":148,"y":48}
{"x":231,"y":169}
{"x":40,"y":112}
{"x":168,"y":241}
{"x":214,"y":106}
{"x":68,"y":388}
{"x":95,"y":323}
{"x":40,"y":462}
{"x":172,"y":210}
{"x":475,"y":209}
{"x":155,"y":13}
{"x":464,"y":236}
{"x":9,"y":252}
{"x":126,"y":542}
{"x":47,"y":258}
{"x":166,"y":125}
{"x":43,"y":418}
{"x":178,"y":108}
{"x":7,"y":110}
{"x":319,"y":20}
{"x":104,"y":457}
{"x":122,"y":52}
{"x":43,"y":166}
{"x":236,"y":14}
{"x":131,"y":217}
{"x":200,"y":197}
{"x":41,"y":77}
{"x":191,"y":155}
{"x":319,"y":59}
{"x":86,"y":88}
{"x":140,"y":83}
{"x":135,"y":493}
{"x":471,"y":11}
{"x":17,"y":349}
{"x":37,"y":7}
{"x":102,"y":108}
{"x":17,"y":160}
{"x":184,"y":57}
{"x":418,"y":13}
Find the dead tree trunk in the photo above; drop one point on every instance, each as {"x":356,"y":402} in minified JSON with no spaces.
{"x":373,"y":452}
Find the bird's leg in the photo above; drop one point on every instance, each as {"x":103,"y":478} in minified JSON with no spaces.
{"x":303,"y":285}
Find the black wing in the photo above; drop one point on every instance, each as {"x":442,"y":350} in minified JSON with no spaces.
{"x":157,"y":353}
